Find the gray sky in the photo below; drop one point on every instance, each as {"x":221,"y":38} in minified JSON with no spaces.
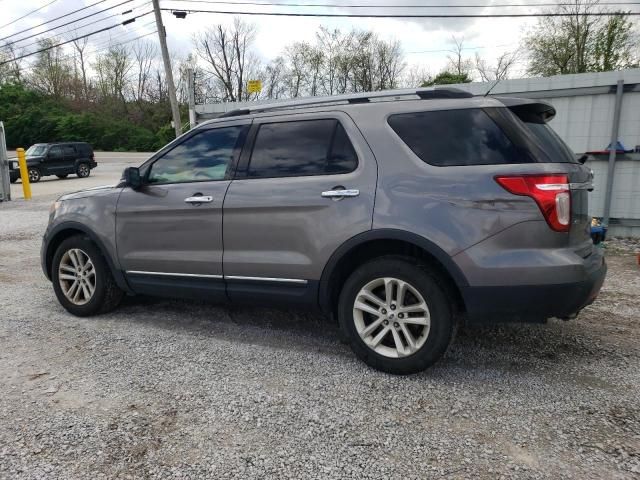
{"x":424,"y":41}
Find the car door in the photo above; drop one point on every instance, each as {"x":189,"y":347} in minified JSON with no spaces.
{"x":305,"y":184}
{"x":69,"y":163}
{"x":54,"y":160}
{"x":169,"y":231}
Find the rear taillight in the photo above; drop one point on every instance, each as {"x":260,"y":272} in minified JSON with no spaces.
{"x":550,"y":192}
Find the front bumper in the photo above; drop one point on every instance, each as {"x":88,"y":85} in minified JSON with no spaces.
{"x":533,"y":303}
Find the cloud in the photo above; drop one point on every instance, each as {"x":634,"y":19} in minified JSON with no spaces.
{"x":424,"y":41}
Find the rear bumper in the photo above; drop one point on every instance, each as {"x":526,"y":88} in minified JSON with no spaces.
{"x":533,"y":303}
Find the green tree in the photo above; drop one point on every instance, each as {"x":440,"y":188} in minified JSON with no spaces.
{"x":582,"y":41}
{"x":447,"y":78}
{"x":615,"y":43}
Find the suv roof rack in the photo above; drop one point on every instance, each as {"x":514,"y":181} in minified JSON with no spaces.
{"x":431,"y":93}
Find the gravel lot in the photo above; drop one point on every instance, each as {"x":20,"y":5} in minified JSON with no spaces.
{"x":173,"y":389}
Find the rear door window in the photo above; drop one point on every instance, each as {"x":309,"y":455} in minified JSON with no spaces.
{"x":55,"y":153}
{"x":455,"y":138}
{"x":302,"y":148}
{"x":69,"y":151}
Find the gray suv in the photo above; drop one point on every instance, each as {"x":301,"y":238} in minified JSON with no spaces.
{"x":400,"y":214}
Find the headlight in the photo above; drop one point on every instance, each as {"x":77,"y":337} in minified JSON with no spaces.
{"x":54,"y":206}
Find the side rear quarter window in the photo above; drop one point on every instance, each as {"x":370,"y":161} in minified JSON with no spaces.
{"x":302,"y":148}
{"x":456,"y":138}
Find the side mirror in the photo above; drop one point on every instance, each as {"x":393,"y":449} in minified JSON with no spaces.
{"x":132,"y":177}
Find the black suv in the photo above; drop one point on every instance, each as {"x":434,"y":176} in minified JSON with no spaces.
{"x":59,"y":159}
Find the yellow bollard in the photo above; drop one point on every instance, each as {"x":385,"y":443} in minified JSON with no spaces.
{"x":24,"y":173}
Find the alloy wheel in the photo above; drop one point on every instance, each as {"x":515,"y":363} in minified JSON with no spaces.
{"x":391,"y":317}
{"x":77,"y":276}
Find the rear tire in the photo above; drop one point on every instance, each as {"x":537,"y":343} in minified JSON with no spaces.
{"x":83,"y":170}
{"x":63,"y":176}
{"x":79,"y":261}
{"x":34,"y":175}
{"x":395,"y":315}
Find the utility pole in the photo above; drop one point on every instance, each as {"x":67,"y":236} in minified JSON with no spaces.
{"x":191,"y":88}
{"x":612,"y":153}
{"x":5,"y":186}
{"x":162,"y":35}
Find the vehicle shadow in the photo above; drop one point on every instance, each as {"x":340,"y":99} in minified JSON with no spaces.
{"x":506,"y":347}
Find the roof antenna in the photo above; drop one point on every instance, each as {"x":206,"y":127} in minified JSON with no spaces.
{"x":492,"y":86}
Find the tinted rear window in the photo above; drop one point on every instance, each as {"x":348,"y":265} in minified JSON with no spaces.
{"x":309,"y":147}
{"x":551,"y":143}
{"x":456,"y":137}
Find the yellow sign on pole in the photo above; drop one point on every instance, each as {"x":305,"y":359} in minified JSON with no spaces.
{"x":24,"y":173}
{"x":254,"y":86}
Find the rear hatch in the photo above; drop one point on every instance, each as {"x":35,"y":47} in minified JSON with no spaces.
{"x":548,"y":147}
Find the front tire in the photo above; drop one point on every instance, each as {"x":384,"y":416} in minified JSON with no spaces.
{"x":395,"y":315}
{"x":82,"y":280}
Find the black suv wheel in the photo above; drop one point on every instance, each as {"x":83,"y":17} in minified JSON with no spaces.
{"x":82,"y":280}
{"x":83,"y":170}
{"x":395,"y":315}
{"x":34,"y":175}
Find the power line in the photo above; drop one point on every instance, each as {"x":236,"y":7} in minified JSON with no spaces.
{"x":74,"y":39}
{"x":401,"y":15}
{"x":107,"y":45}
{"x":54,"y":19}
{"x":27,"y":14}
{"x":336,"y":5}
{"x":38,"y":40}
{"x":70,"y":22}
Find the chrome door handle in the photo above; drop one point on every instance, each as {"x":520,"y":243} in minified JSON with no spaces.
{"x":199,"y":199}
{"x":341,"y":193}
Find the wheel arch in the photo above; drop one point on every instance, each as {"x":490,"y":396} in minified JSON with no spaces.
{"x":376,"y":243}
{"x":68,"y":229}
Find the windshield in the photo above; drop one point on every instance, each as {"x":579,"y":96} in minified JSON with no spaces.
{"x":551,"y":143}
{"x":36,"y":150}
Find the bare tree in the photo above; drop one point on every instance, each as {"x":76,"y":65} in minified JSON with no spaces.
{"x":226,"y":52}
{"x":275,"y":78}
{"x":144,"y":53}
{"x":458,"y":64}
{"x":80,"y":63}
{"x":500,"y":70}
{"x":50,"y":72}
{"x":415,"y":76}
